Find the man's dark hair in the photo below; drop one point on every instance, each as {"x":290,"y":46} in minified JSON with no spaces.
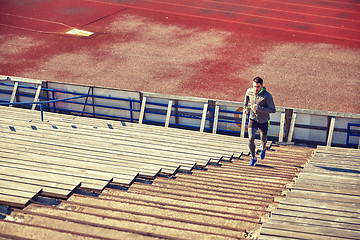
{"x":258,"y":80}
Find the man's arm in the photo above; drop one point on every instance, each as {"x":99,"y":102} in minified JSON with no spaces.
{"x":270,"y":105}
{"x":246,"y":103}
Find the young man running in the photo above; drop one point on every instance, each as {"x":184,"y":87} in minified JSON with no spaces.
{"x":260,"y":104}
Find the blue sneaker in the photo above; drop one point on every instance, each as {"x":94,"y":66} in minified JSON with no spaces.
{"x":253,"y":162}
{"x":262,"y":154}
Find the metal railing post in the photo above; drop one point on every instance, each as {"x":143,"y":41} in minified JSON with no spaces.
{"x":42,"y":112}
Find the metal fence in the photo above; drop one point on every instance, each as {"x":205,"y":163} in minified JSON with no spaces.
{"x":200,"y":114}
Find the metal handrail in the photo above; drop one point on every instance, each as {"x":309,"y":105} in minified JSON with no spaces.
{"x":42,"y":102}
{"x":130,"y":109}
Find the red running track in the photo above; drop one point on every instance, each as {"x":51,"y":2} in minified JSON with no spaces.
{"x":289,"y":30}
{"x":52,"y":16}
{"x":330,"y":19}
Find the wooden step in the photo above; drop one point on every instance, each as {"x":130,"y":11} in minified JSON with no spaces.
{"x":17,"y":198}
{"x":141,"y":148}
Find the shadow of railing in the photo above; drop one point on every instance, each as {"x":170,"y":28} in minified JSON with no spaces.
{"x":344,"y":170}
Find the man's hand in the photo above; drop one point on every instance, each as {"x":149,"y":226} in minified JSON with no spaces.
{"x":246,"y":111}
{"x":255,"y":107}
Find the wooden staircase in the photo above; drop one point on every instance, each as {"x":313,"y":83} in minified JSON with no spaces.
{"x":324,"y":202}
{"x":64,"y":152}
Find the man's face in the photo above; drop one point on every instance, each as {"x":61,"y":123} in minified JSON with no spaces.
{"x":257,"y":87}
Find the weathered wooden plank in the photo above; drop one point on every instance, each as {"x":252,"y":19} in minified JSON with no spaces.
{"x":140,"y":148}
{"x":34,"y":180}
{"x":239,"y":154}
{"x":116,"y":170}
{"x":341,"y":160}
{"x":22,"y":230}
{"x":13,"y":94}
{"x":282,"y":127}
{"x":45,"y":190}
{"x":51,"y":178}
{"x":104,"y":138}
{"x":86,"y":180}
{"x":201,"y":158}
{"x":84,"y":120}
{"x":26,"y":193}
{"x":216,"y":119}
{"x":318,"y":211}
{"x":142,"y":110}
{"x":292,"y":127}
{"x":168,"y":114}
{"x":282,"y":234}
{"x":115,"y":156}
{"x":335,"y":150}
{"x":20,"y":79}
{"x":327,"y":113}
{"x":167,"y":167}
{"x":333,"y":171}
{"x":324,"y":196}
{"x":331,"y":132}
{"x":221,"y":139}
{"x":42,"y":183}
{"x":243,"y":125}
{"x":125,"y":134}
{"x":297,"y":229}
{"x":326,"y":186}
{"x":174,"y":97}
{"x":37,"y":94}
{"x":92,"y":150}
{"x":58,"y":163}
{"x":29,"y":176}
{"x":15,"y":201}
{"x":322,"y":204}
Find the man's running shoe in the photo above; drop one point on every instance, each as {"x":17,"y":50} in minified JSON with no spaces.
{"x":253,"y":162}
{"x":262,"y":154}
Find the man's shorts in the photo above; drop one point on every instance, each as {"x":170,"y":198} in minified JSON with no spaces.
{"x":263,"y":127}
